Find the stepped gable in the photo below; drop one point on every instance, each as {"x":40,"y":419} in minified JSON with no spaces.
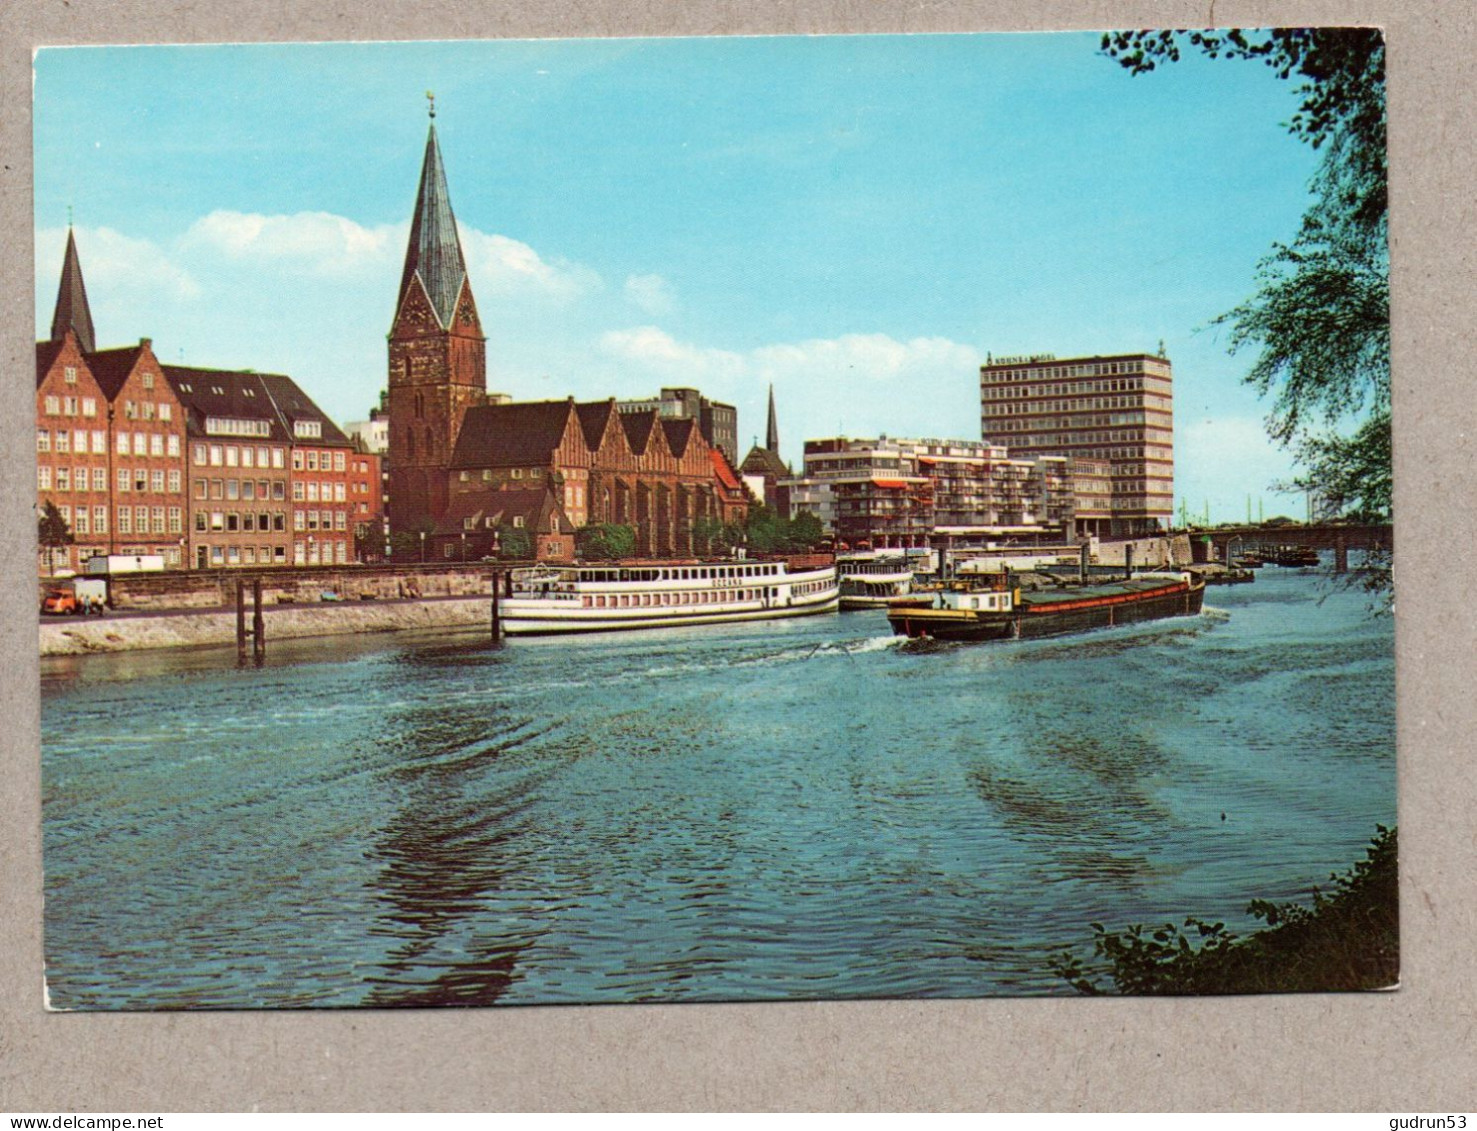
{"x":679,"y":434}
{"x":434,"y":252}
{"x":765,"y":462}
{"x":522,"y":434}
{"x":594,"y":419}
{"x":72,"y":311}
{"x":639,"y":427}
{"x":112,"y":367}
{"x":535,"y":505}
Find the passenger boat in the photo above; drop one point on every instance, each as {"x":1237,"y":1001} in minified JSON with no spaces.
{"x":869,"y":582}
{"x":994,"y":607}
{"x":621,"y":595}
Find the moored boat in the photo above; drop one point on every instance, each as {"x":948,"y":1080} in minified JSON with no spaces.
{"x":626,"y":595}
{"x":995,"y":607}
{"x":870,"y":582}
{"x":1298,"y":556}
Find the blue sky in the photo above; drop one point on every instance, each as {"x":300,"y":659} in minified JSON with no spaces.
{"x":857,"y":220}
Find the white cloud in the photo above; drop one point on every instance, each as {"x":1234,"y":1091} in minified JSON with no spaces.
{"x":316,"y":243}
{"x":863,"y":384}
{"x":499,"y":265}
{"x":112,"y":264}
{"x":651,"y":293}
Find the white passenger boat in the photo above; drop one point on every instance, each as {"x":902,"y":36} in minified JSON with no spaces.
{"x":872,"y":582}
{"x":606,"y":597}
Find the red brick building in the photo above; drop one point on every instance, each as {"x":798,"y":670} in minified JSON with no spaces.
{"x":452,"y":450}
{"x":109,"y":439}
{"x":208,"y":468}
{"x":269,"y":472}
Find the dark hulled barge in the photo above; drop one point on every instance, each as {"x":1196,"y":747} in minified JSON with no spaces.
{"x":995,"y":607}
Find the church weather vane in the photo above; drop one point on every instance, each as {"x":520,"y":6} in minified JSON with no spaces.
{"x":431,"y":103}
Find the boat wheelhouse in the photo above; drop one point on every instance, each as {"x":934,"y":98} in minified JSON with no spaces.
{"x":622,"y":595}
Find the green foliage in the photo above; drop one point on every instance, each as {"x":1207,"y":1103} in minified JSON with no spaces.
{"x":605,"y":542}
{"x":1346,"y":940}
{"x":514,"y":543}
{"x":1319,"y":322}
{"x":767,"y":533}
{"x":713,"y":538}
{"x":52,"y":530}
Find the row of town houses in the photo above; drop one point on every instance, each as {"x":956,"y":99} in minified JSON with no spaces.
{"x":223,"y":469}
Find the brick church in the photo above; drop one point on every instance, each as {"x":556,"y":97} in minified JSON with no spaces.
{"x":465,"y":467}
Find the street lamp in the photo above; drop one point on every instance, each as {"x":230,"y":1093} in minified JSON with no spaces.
{"x":423,"y":547}
{"x":464,"y":547}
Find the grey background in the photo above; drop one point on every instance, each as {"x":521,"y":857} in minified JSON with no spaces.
{"x":1409,"y":1050}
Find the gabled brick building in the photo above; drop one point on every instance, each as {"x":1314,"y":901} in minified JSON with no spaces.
{"x":109,"y":438}
{"x":453,"y":449}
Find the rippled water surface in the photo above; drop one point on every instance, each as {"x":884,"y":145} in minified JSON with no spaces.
{"x":797,"y":809}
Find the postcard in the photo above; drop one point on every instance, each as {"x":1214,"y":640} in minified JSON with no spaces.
{"x":704,"y":520}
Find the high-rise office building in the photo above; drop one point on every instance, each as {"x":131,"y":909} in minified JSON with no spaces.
{"x":1118,"y":409}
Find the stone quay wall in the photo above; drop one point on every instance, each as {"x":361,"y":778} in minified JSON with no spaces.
{"x":216,"y":589}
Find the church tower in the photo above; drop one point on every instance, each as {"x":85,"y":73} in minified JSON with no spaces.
{"x":438,"y":357}
{"x":72,"y":312}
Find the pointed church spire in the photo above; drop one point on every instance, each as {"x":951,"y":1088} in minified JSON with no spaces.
{"x":434,"y":252}
{"x":772,"y":437}
{"x":72,"y":312}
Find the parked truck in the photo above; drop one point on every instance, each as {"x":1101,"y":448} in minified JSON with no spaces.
{"x":103,"y":565}
{"x":76,"y":596}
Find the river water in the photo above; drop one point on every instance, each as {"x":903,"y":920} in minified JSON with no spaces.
{"x":797,"y":809}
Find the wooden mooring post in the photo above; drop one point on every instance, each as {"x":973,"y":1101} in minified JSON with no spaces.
{"x":1340,"y":555}
{"x":240,"y":622}
{"x":258,"y":626}
{"x":497,"y":620}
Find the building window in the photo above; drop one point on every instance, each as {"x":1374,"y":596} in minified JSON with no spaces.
{"x":148,"y":380}
{"x":69,"y":375}
{"x":99,"y":520}
{"x":125,"y":520}
{"x":156,"y":482}
{"x":176,"y":520}
{"x":43,"y":440}
{"x":63,"y":479}
{"x":89,"y":406}
{"x":166,"y":412}
{"x":99,"y":478}
{"x":43,"y":479}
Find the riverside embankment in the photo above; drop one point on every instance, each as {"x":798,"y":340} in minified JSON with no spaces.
{"x":75,"y":636}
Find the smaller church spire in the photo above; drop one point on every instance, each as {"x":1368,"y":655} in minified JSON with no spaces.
{"x":772,"y":436}
{"x":72,"y":311}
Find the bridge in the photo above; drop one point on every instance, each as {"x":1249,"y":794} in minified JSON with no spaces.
{"x":1317,"y":535}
